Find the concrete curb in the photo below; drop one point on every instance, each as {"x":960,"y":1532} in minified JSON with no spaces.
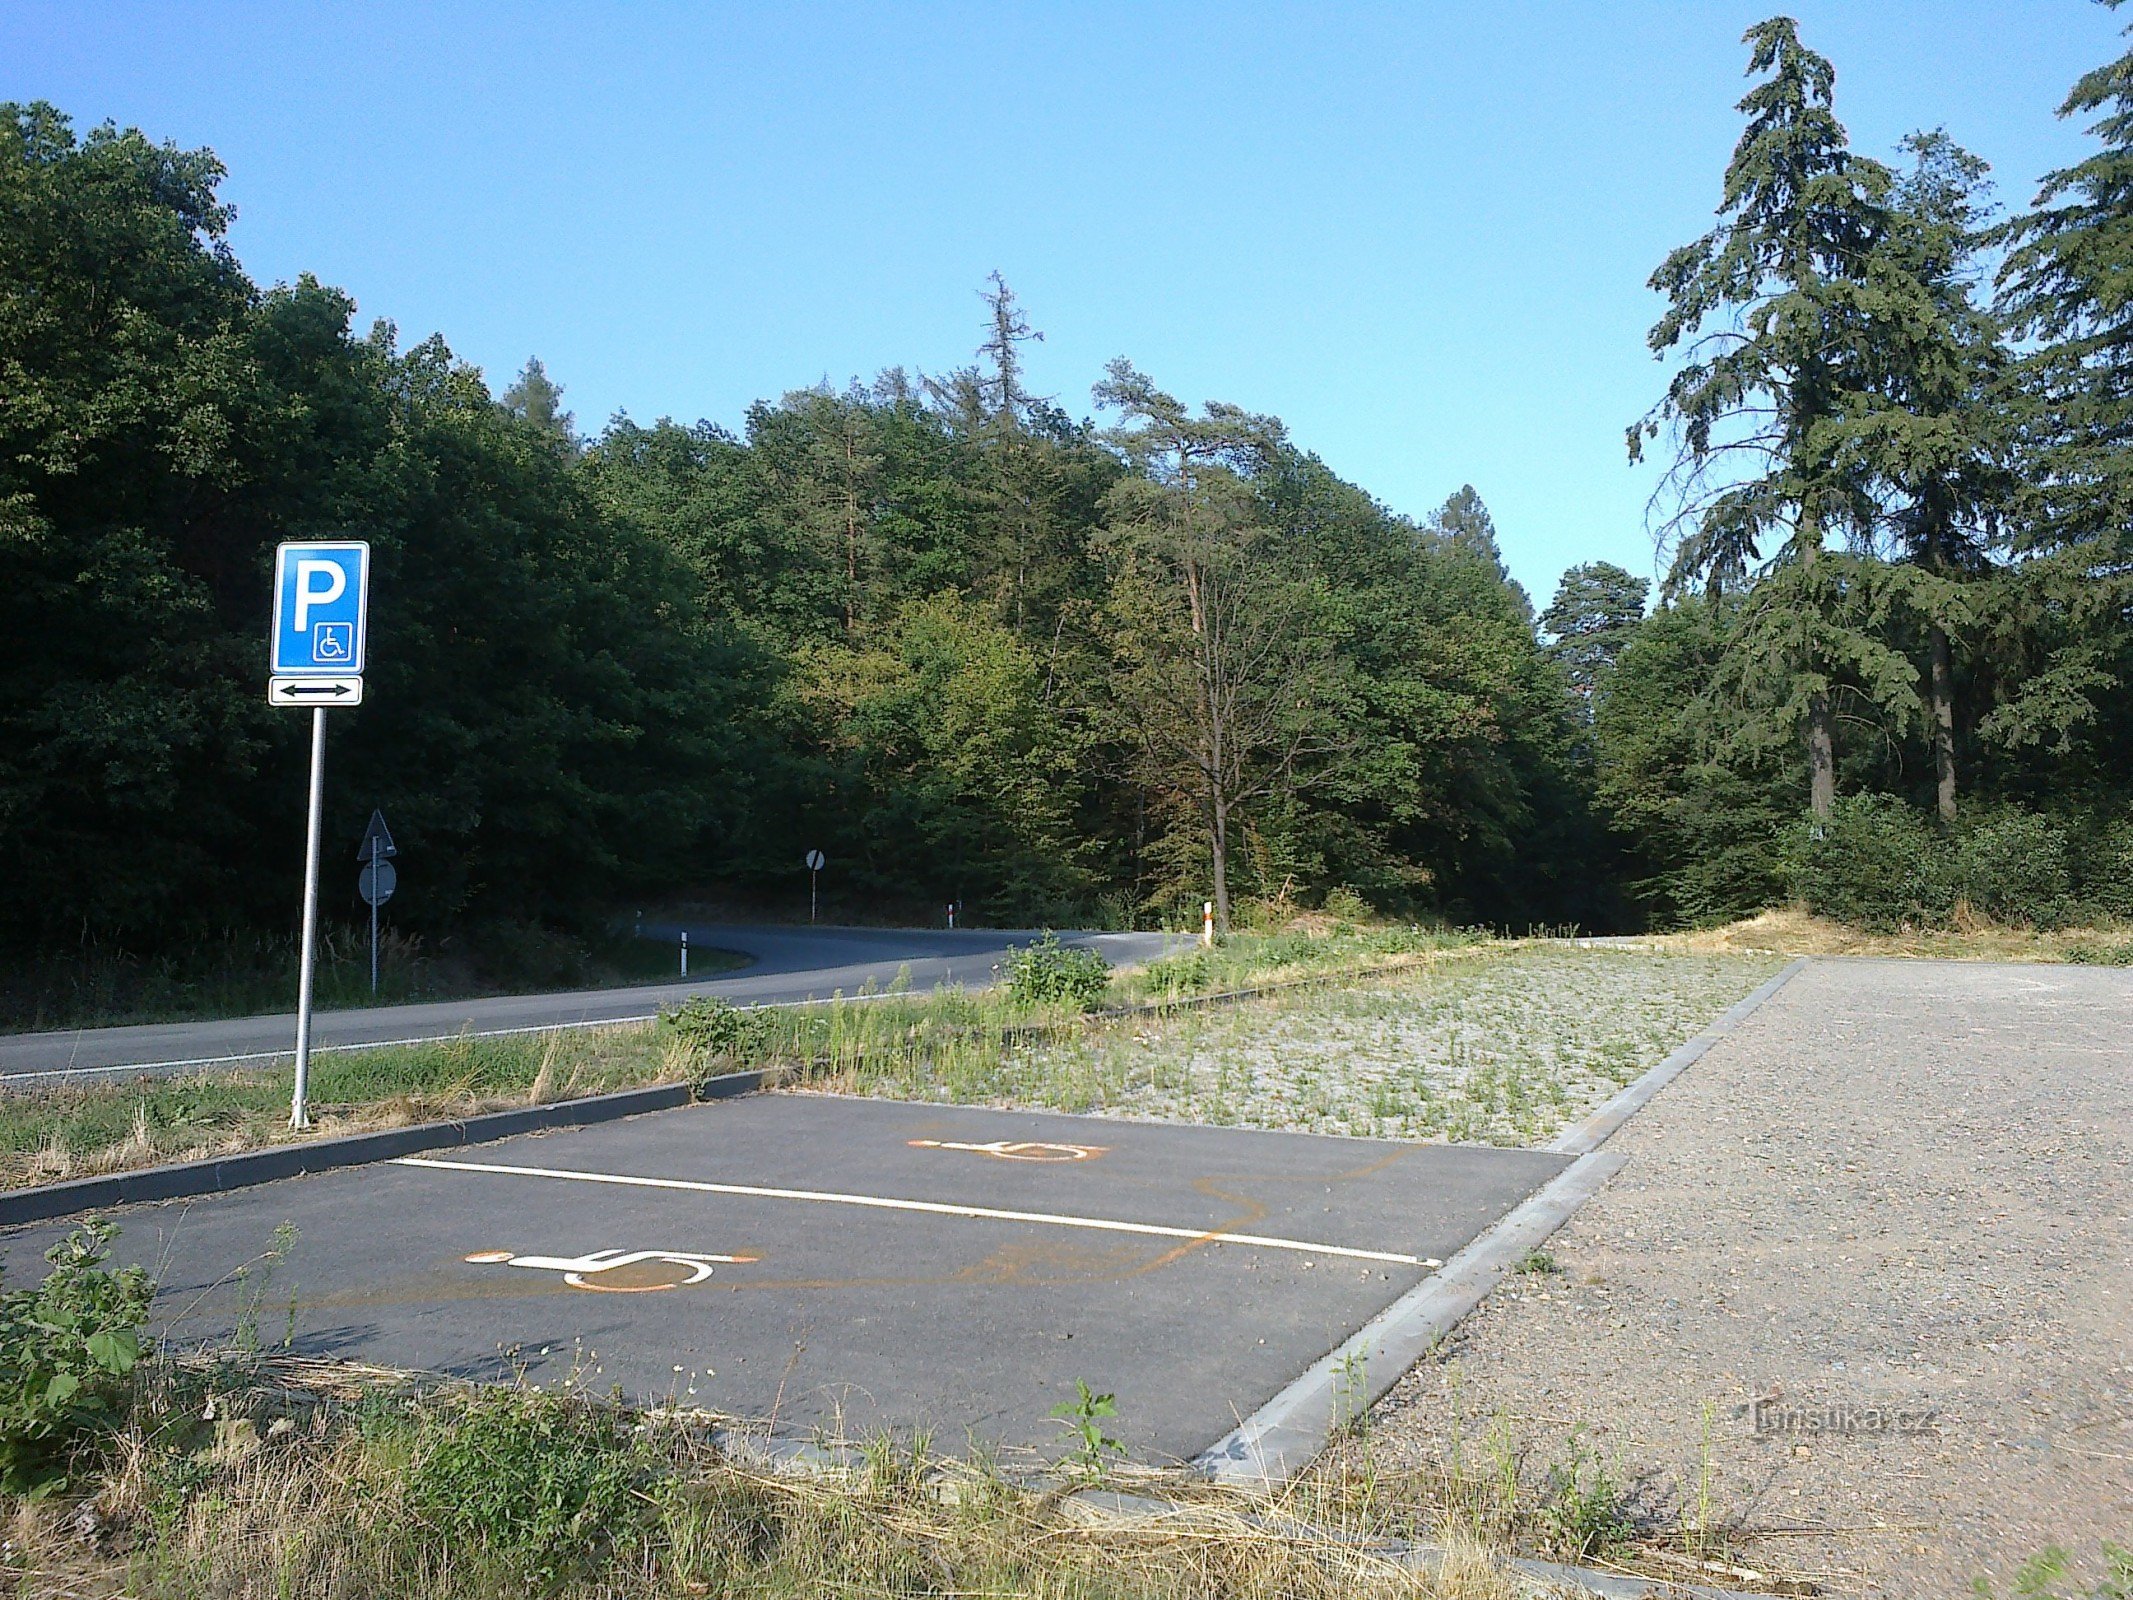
{"x":1286,"y":1434}
{"x":191,"y":1178}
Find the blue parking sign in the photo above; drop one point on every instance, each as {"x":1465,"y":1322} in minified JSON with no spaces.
{"x":321,"y":595}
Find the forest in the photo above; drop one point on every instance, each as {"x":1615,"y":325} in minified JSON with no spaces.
{"x":1084,"y":665}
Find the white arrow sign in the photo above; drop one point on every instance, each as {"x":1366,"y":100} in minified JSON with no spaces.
{"x":328,"y":692}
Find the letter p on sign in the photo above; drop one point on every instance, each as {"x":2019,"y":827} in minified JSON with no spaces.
{"x":321,"y":598}
{"x":318,"y":583}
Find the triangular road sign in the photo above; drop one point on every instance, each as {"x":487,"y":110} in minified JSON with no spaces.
{"x":377,"y":841}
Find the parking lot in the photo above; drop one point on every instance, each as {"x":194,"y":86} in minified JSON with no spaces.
{"x":843,"y":1264}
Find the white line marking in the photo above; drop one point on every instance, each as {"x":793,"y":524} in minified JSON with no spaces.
{"x":934,"y":1207}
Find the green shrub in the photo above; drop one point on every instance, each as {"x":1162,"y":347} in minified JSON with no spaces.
{"x":718,"y":1029}
{"x":2103,"y":867}
{"x":2101,"y":953}
{"x":1049,"y":973}
{"x":543,"y":1484}
{"x":1880,"y":865}
{"x":1875,"y":863}
{"x":1343,"y":904}
{"x":2013,"y":867}
{"x":67,"y":1350}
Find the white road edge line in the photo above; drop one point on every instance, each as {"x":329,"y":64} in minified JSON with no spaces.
{"x":933,"y":1207}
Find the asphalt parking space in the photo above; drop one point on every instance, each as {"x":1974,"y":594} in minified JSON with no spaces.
{"x":846,"y":1264}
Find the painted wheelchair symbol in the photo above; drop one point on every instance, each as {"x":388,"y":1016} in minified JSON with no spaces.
{"x":1017,"y":1149}
{"x":640,"y":1271}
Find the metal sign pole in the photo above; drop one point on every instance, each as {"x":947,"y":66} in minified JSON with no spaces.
{"x":373,"y":926}
{"x":308,"y":958}
{"x":813,"y":894}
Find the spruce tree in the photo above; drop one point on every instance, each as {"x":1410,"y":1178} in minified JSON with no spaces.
{"x":1927,"y":429}
{"x":539,"y":399}
{"x":2066,"y":287}
{"x":1769,"y":308}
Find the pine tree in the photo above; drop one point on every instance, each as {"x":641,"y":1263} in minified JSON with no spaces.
{"x":1595,"y":611}
{"x":2068,"y":282}
{"x":1007,"y":332}
{"x":1464,"y":524}
{"x":1224,"y":662}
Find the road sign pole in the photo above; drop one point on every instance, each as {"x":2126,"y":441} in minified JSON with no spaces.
{"x":307,"y":960}
{"x":815,"y":861}
{"x":374,"y":933}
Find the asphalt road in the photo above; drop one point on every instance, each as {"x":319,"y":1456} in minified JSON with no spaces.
{"x":787,"y":964}
{"x":845,"y":1264}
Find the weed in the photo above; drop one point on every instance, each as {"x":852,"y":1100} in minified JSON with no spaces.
{"x":543,"y":1484}
{"x":1351,"y":1393}
{"x":1083,"y":1417}
{"x":67,"y":1348}
{"x":715,"y":1029}
{"x":2045,"y":1576}
{"x":1698,"y":1536}
{"x":253,"y":1280}
{"x":1581,"y":1502}
{"x":1539,"y":1263}
{"x":1048,"y":973}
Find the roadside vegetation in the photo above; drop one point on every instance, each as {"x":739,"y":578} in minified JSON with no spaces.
{"x":1395,"y":1032}
{"x":77,"y":1130}
{"x":115,"y":1123}
{"x":498,"y":1496}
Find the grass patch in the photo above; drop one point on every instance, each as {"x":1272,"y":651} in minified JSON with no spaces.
{"x":1468,"y":1039}
{"x":47,"y":1134}
{"x":1249,"y":960}
{"x":1498,"y":1043}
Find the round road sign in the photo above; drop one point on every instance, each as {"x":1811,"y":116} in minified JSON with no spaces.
{"x":376,"y":882}
{"x":816,"y":861}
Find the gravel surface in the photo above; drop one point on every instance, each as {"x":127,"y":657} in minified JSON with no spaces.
{"x":1899,"y":1199}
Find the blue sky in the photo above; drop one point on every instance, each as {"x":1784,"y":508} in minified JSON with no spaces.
{"x":1419,"y":233}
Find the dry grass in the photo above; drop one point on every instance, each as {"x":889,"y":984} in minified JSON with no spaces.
{"x":250,"y":1490}
{"x":1791,"y":931}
